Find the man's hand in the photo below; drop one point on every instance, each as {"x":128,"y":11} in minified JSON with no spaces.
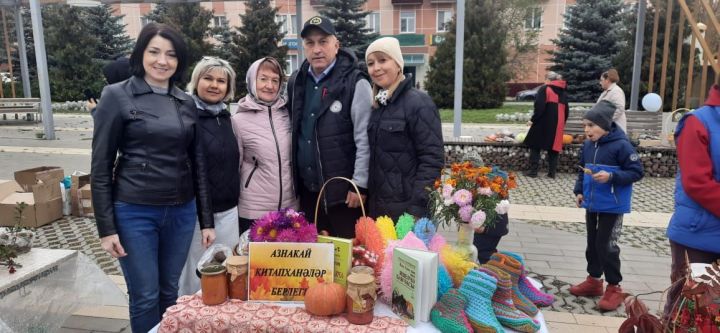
{"x":112,"y":245}
{"x":579,"y":200}
{"x":601,"y":177}
{"x":91,"y":104}
{"x":353,"y":200}
{"x":529,"y":123}
{"x":208,"y":237}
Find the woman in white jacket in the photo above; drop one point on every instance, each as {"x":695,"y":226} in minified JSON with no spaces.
{"x":263,"y":131}
{"x":615,"y":95}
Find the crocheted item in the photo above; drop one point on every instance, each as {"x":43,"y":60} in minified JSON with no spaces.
{"x":386,"y":275}
{"x":404,"y":225}
{"x":387,"y":228}
{"x":444,"y":281}
{"x":424,"y":229}
{"x":478,"y":288}
{"x":437,"y":243}
{"x":191,"y":315}
{"x":456,"y":264}
{"x":535,"y":295}
{"x":448,"y":314}
{"x":502,"y":303}
{"x":513,"y":268}
{"x":367,"y":233}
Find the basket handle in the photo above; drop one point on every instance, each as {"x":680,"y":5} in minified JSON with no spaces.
{"x":322,"y":189}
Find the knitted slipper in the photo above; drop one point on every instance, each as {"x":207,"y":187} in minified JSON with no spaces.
{"x":448,"y":314}
{"x":505,"y":311}
{"x":535,"y":295}
{"x":478,"y":288}
{"x":513,"y":268}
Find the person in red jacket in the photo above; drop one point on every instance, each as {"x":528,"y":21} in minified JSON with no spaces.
{"x":694,"y":229}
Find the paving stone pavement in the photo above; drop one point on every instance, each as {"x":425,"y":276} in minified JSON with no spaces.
{"x":650,"y":194}
{"x":557,"y":259}
{"x":77,"y":233}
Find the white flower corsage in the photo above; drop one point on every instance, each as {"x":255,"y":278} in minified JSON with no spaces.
{"x":382,"y":97}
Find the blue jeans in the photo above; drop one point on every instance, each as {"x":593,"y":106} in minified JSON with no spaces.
{"x":156,"y":240}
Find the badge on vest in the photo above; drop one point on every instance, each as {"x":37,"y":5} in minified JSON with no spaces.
{"x":336,"y":106}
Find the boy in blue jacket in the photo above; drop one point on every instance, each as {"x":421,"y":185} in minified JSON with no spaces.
{"x":604,"y":188}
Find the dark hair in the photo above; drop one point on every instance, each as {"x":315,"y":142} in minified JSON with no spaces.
{"x":611,"y":75}
{"x":146,"y":34}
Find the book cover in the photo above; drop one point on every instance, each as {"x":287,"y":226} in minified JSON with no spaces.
{"x":404,"y":285}
{"x":343,"y":257}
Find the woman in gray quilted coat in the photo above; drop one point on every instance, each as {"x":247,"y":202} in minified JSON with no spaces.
{"x":405,"y":134}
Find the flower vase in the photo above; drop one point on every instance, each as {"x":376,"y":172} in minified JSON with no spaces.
{"x":464,"y":244}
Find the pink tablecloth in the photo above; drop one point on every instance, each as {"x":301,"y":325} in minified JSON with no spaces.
{"x":191,"y":315}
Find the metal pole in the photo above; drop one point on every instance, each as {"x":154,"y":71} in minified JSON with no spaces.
{"x":299,"y":21}
{"x":22,"y":51}
{"x":459,"y":45}
{"x":637,"y":61}
{"x":42,"y":69}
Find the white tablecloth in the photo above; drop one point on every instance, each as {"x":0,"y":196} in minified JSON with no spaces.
{"x":381,"y":309}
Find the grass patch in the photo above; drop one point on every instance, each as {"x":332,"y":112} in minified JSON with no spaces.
{"x":483,"y":115}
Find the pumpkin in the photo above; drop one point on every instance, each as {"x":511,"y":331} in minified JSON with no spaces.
{"x":325,"y":299}
{"x":567,"y":139}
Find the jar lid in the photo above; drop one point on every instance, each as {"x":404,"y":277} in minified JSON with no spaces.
{"x":213,"y":270}
{"x":237,"y":261}
{"x":360,"y":278}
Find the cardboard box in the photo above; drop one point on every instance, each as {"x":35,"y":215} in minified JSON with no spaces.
{"x":41,"y":207}
{"x":77,"y":182}
{"x":29,"y":179}
{"x":86,"y":206}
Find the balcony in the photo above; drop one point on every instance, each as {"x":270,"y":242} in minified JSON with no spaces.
{"x":406,"y":2}
{"x":316,"y":3}
{"x":442,"y":1}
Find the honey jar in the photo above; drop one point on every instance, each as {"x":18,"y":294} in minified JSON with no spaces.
{"x":361,"y":298}
{"x":237,"y":275}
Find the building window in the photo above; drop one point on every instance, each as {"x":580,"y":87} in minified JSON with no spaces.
{"x":219,"y":22}
{"x":288,"y":23}
{"x":291,"y":63}
{"x":372,"y":22}
{"x":407,"y":22}
{"x":533,"y":18}
{"x":443,"y":20}
{"x":144,"y":21}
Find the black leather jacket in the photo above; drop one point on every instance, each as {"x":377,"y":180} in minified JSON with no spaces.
{"x":160,"y":160}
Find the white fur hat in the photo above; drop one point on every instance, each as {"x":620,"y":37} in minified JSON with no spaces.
{"x":389,"y":46}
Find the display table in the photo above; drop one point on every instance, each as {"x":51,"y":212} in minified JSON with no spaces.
{"x":49,"y":287}
{"x":384,"y":310}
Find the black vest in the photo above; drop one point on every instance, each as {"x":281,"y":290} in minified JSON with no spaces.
{"x":334,"y":128}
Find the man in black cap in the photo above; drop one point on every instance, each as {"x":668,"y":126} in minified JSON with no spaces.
{"x":330,"y":103}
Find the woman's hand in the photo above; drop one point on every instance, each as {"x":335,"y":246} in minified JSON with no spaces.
{"x":208,"y":237}
{"x":112,"y":245}
{"x":579,"y":200}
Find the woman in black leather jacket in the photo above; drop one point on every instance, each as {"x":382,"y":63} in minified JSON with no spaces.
{"x":148,"y":176}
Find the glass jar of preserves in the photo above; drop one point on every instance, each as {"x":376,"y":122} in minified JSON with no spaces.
{"x":237,"y":274}
{"x":361,"y":298}
{"x":213,"y":283}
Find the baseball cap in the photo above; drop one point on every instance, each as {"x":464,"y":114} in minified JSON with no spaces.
{"x":322,"y":23}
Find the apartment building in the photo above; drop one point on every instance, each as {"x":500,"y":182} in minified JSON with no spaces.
{"x":418,"y":24}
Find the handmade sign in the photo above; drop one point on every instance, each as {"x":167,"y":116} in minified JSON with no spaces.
{"x":283,"y":271}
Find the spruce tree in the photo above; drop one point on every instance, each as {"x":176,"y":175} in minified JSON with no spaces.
{"x":110,"y":30}
{"x":485,"y":58}
{"x":193,"y":22}
{"x":258,"y":37}
{"x":587,"y":46}
{"x":349,"y":18}
{"x":70,"y":51}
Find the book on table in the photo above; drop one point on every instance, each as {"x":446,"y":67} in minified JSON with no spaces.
{"x":414,"y":284}
{"x":343,"y":257}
